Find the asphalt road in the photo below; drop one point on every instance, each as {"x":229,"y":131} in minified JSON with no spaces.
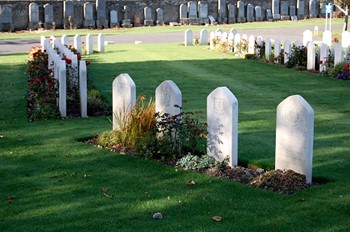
{"x":294,"y":33}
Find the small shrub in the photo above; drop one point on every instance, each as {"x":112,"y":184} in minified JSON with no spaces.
{"x":297,"y":58}
{"x":341,"y":71}
{"x":193,"y":162}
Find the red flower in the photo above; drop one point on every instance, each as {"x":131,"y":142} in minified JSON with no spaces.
{"x":36,"y":67}
{"x":36,"y":80}
{"x":79,"y":57}
{"x":51,"y":84}
{"x":321,"y":61}
{"x":68,"y":61}
{"x":335,"y":40}
{"x":88,"y":62}
{"x":346,"y":68}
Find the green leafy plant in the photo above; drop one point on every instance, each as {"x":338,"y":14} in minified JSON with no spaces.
{"x":297,"y":58}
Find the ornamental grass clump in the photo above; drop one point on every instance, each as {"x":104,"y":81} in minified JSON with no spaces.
{"x":133,"y":126}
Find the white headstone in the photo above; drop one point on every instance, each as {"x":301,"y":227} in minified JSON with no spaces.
{"x":251,"y":45}
{"x":324,"y":56}
{"x":307,"y":37}
{"x":101,"y":42}
{"x":222,"y":119}
{"x":268,"y":48}
{"x":327,"y":38}
{"x":298,"y":44}
{"x":295,"y":136}
{"x":64,"y":40}
{"x":224,"y":37}
{"x":311,"y":56}
{"x":347,"y":54}
{"x":237,"y":42}
{"x":204,"y":37}
{"x":188,"y":37}
{"x":62,"y":89}
{"x":83,"y":88}
{"x":212,"y":38}
{"x":345,"y":39}
{"x":168,"y":98}
{"x":89,"y":44}
{"x":77,"y":43}
{"x":287,"y":50}
{"x":338,"y":54}
{"x":277,"y":49}
{"x":124,"y":98}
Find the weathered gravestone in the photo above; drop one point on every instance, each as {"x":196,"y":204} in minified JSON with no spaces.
{"x":68,"y":14}
{"x":33,"y":16}
{"x":83,"y":88}
{"x":250,"y":13}
{"x":62,"y":89}
{"x":269,"y":15}
{"x":101,"y":42}
{"x":295,"y":136}
{"x":188,"y":37}
{"x":240,"y":12}
{"x":147,"y":14}
{"x":6,"y":23}
{"x":89,"y":44}
{"x":204,"y":37}
{"x":231,"y":13}
{"x":101,"y":20}
{"x":114,"y":21}
{"x":192,"y":12}
{"x":311,"y":56}
{"x":183,"y":14}
{"x":77,"y":43}
{"x":287,"y":50}
{"x":222,"y":16}
{"x":89,"y":15}
{"x":160,"y":17}
{"x":327,"y":37}
{"x":258,"y":13}
{"x":285,"y":10}
{"x":222,"y":120}
{"x":203,"y":12}
{"x":276,"y":10}
{"x":300,"y":9}
{"x":323,"y":56}
{"x":124,"y":99}
{"x":338,"y":54}
{"x":126,"y":21}
{"x":345,"y":39}
{"x":312,"y":9}
{"x":307,"y":37}
{"x":251,"y":44}
{"x":168,"y":98}
{"x":292,"y":11}
{"x":48,"y":12}
{"x":268,"y":48}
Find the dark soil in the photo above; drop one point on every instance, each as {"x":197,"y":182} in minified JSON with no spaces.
{"x":280,"y":181}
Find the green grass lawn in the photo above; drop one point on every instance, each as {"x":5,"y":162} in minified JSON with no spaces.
{"x":57,"y":180}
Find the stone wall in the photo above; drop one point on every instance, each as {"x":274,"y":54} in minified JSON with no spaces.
{"x":20,"y":10}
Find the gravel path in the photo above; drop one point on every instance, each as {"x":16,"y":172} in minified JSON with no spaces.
{"x":294,"y":33}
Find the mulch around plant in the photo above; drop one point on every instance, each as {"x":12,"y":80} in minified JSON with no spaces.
{"x":281,"y":181}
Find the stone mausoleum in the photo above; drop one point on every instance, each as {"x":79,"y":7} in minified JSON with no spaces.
{"x":69,"y":14}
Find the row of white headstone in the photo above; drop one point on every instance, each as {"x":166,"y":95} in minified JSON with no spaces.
{"x":294,"y":126}
{"x":89,"y":43}
{"x":233,"y":38}
{"x":57,"y":55}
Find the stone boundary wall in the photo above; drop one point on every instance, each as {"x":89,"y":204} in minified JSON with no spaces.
{"x":20,"y":10}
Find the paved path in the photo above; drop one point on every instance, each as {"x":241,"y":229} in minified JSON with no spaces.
{"x":291,"y":33}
